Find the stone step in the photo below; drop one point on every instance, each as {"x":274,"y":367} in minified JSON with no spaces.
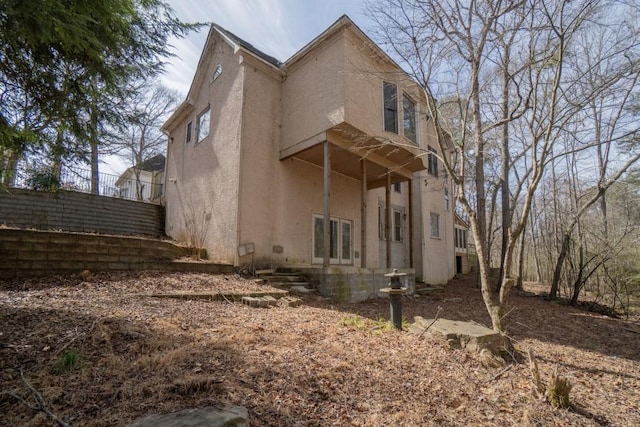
{"x":217,"y":296}
{"x":263,"y":272}
{"x":301,"y":290}
{"x":426,"y":290}
{"x":288,"y":285}
{"x":283,"y":278}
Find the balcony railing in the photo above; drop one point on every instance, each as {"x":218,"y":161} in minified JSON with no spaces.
{"x":79,"y":179}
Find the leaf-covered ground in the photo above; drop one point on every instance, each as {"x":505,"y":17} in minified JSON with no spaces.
{"x":100,"y":353}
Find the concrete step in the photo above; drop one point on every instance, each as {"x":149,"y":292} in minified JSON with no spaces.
{"x":283,"y":278}
{"x":301,"y":290}
{"x":427,"y":290}
{"x":288,"y":285}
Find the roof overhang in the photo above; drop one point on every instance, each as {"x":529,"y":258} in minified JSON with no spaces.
{"x":176,"y":117}
{"x":351,"y":146}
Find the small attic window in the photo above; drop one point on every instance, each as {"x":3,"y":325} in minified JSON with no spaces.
{"x":216,"y":72}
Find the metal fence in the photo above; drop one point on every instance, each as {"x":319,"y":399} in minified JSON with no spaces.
{"x":44,"y":178}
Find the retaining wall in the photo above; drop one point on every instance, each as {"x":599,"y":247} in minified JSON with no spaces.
{"x":79,"y":212}
{"x":39,"y":253}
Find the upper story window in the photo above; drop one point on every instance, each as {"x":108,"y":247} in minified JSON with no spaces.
{"x":216,"y":72}
{"x":409,"y":118}
{"x":432,"y":161}
{"x":434,"y":222}
{"x":390,"y":93}
{"x":397,"y":187}
{"x":189,"y":129}
{"x":203,"y":124}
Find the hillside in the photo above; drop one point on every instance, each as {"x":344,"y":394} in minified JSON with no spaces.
{"x":100,"y":354}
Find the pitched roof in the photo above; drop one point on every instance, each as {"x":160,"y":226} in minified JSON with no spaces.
{"x":153,"y":164}
{"x":248,"y":46}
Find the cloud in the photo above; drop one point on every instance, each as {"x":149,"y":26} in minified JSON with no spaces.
{"x":277,"y":27}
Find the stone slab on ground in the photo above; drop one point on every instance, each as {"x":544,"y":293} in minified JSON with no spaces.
{"x":217,"y":296}
{"x":263,"y":302}
{"x":290,"y":301}
{"x":300,"y":290}
{"x":235,"y":416}
{"x":459,"y":334}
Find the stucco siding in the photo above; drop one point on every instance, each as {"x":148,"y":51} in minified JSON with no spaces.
{"x":364,"y":74}
{"x":300,"y":196}
{"x":313,"y":93}
{"x":436,"y":260}
{"x":259,"y":163}
{"x":202,"y":177}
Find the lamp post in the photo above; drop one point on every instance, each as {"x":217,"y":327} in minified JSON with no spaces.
{"x":395,"y":291}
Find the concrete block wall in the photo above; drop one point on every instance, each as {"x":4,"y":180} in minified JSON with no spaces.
{"x":352,"y":284}
{"x":80,"y":212}
{"x":37,"y":253}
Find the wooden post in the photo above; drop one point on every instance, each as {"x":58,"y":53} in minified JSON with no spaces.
{"x":410,"y":223}
{"x":387,"y":218}
{"x":363,"y":215}
{"x":327,"y":214}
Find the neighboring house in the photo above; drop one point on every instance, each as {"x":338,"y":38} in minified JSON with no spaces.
{"x":148,"y":185}
{"x":461,"y":237}
{"x":326,"y":160}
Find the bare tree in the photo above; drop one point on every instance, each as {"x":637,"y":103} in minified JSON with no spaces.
{"x":512,"y":68}
{"x":140,"y":138}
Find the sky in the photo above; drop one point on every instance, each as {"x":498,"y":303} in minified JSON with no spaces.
{"x":277,"y":27}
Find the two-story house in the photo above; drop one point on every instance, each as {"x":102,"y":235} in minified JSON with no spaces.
{"x":326,"y":161}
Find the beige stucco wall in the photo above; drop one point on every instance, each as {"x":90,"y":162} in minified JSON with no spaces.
{"x":259,"y":166}
{"x":253,"y":197}
{"x":364,"y":74}
{"x":300,"y":196}
{"x":202,"y":178}
{"x":313,"y":93}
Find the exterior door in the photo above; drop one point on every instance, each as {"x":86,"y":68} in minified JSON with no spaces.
{"x":341,"y":240}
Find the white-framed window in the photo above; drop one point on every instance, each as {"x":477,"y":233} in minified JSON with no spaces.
{"x":340,"y":240}
{"x":435,"y":225}
{"x":390,"y":96}
{"x":446,"y":199}
{"x":216,"y":72}
{"x":432,"y":161}
{"x":189,"y":132}
{"x":409,"y":118}
{"x":461,"y":239}
{"x":203,"y":123}
{"x":397,"y":225}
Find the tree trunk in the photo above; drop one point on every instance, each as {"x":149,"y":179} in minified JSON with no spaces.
{"x":519,"y":282}
{"x":555,"y":284}
{"x":504,"y":170}
{"x":93,"y":141}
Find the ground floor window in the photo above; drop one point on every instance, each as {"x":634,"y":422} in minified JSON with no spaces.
{"x":340,"y":243}
{"x":461,"y":239}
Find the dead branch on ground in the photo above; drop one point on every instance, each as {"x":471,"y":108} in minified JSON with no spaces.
{"x":39,"y":405}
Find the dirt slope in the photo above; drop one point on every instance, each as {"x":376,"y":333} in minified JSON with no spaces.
{"x":99,"y":354}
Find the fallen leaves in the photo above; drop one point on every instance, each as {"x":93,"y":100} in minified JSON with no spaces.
{"x":318,"y":364}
